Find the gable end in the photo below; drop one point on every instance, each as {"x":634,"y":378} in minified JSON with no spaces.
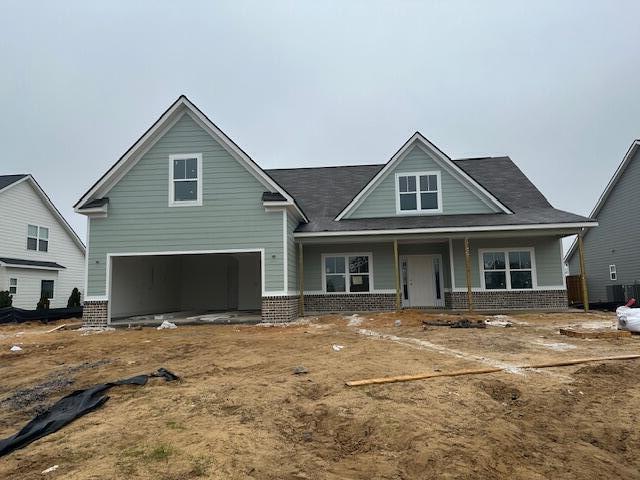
{"x":439,"y":157}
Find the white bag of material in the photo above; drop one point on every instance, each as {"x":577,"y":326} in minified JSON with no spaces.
{"x":628,"y":319}
{"x":167,"y":325}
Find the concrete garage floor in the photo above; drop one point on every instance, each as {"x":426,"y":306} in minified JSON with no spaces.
{"x":247,"y":317}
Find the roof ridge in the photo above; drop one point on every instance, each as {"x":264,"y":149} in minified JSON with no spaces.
{"x":329,"y":166}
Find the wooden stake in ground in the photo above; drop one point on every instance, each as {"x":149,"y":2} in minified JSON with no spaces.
{"x":467,"y":268}
{"x":480,"y":371}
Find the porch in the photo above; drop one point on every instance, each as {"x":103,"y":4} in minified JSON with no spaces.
{"x":487,"y":271}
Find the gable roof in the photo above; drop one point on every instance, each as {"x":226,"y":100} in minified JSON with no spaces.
{"x":626,"y":160}
{"x":322,"y":192}
{"x":10,"y":181}
{"x":6,"y":180}
{"x":177,"y":109}
{"x":440,"y":157}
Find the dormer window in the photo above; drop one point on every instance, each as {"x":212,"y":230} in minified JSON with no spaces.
{"x":185,"y":180}
{"x":418,"y":193}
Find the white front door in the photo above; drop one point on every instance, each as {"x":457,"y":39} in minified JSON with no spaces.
{"x":420,"y":281}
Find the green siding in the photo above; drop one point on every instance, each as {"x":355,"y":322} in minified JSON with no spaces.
{"x":457,"y":198}
{"x":232,"y":214}
{"x":381,"y":263}
{"x":547,"y":251}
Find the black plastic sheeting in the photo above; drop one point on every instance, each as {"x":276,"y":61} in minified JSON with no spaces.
{"x":67,"y":409}
{"x":18,"y":315}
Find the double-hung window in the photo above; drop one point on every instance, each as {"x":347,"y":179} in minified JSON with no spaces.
{"x":507,"y":269}
{"x":347,"y":273}
{"x":613,"y":273}
{"x":13,"y":286}
{"x":185,"y":180}
{"x":37,"y":238}
{"x":418,"y":192}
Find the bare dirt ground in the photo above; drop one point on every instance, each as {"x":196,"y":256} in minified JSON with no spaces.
{"x":240,"y":412}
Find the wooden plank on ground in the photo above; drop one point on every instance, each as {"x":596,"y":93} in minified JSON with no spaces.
{"x":570,"y":332}
{"x":424,"y":376}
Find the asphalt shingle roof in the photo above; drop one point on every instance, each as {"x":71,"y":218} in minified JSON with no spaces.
{"x":323,"y":192}
{"x":19,"y":262}
{"x":6,"y":180}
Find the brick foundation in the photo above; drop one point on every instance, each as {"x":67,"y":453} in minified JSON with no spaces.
{"x":280,"y":309}
{"x":350,"y":303}
{"x":509,"y":300}
{"x":94,"y":314}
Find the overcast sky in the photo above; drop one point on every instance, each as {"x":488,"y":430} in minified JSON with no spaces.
{"x":554,"y":85}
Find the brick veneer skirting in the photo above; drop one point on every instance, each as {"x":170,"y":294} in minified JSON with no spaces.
{"x":509,"y":300}
{"x":280,"y":309}
{"x":94,"y":314}
{"x":350,"y":303}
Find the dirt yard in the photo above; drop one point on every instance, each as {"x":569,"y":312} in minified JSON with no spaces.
{"x":240,"y":411}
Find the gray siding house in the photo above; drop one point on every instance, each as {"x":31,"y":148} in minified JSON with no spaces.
{"x":185,"y":220}
{"x":612,"y":251}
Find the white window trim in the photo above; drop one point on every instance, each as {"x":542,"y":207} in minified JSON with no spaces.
{"x":13,"y":286}
{"x":613,"y":273}
{"x":419,"y":211}
{"x":199,"y":179}
{"x":38,"y":238}
{"x":347,"y":274}
{"x":534,"y":274}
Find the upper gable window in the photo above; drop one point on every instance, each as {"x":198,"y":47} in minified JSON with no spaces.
{"x":37,"y":238}
{"x":418,"y":192}
{"x":185,"y":180}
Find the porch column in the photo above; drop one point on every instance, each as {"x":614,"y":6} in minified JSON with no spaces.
{"x":396,"y":264}
{"x":583,"y":274}
{"x":467,"y":265}
{"x":301,"y":280}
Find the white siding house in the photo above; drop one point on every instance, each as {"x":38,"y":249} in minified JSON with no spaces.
{"x":39,"y":251}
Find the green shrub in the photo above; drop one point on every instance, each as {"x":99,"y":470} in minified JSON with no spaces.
{"x":74,"y":299}
{"x":43,"y":304}
{"x":6,"y":299}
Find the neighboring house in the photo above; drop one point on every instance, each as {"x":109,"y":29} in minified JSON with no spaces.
{"x":611,"y":251}
{"x":40,"y":254}
{"x":185,"y":220}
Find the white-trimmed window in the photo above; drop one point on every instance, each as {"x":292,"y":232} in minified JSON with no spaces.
{"x":346,"y":273}
{"x":418,"y":192}
{"x":613,"y":273}
{"x":37,"y":238}
{"x":13,"y":286}
{"x":510,"y":269}
{"x":185,"y":180}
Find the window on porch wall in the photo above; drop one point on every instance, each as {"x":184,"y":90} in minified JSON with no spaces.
{"x":514,"y":274}
{"x":347,"y":273}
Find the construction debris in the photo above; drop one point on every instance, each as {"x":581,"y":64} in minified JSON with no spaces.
{"x":50,"y":469}
{"x":68,"y":408}
{"x":498,"y":323}
{"x":337,"y":348}
{"x":16,"y":348}
{"x":462,"y":323}
{"x":594,"y":333}
{"x":167,"y":325}
{"x":423,"y":376}
{"x":300,"y":370}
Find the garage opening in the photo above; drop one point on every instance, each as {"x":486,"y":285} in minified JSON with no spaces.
{"x":186,"y":288}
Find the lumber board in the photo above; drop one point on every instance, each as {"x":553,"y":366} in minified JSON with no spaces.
{"x":569,"y":332}
{"x":481,"y":371}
